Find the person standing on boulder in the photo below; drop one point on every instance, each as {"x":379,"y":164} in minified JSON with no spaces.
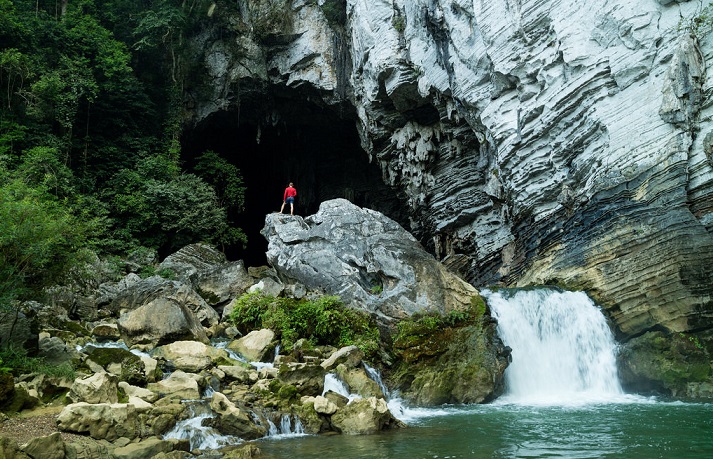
{"x":289,"y":197}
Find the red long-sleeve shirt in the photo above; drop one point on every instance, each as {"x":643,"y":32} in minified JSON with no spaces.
{"x":290,"y":192}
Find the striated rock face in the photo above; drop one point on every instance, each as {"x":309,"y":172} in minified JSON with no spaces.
{"x":536,"y":141}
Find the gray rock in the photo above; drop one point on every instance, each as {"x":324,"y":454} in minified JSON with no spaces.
{"x":364,"y":416}
{"x":232,"y":420}
{"x":147,"y":290}
{"x":101,"y":421}
{"x":223,"y":283}
{"x":193,"y":260}
{"x":49,"y":447}
{"x":97,"y":388}
{"x":350,"y":356}
{"x":191,"y":356}
{"x":365,"y":258}
{"x":160,"y":321}
{"x":179,"y":385}
{"x":255,"y":345}
{"x":148,"y":449}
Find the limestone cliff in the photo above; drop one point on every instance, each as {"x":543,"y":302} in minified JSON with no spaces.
{"x":536,"y":141}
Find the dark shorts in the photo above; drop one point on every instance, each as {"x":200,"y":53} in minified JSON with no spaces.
{"x":290,"y":200}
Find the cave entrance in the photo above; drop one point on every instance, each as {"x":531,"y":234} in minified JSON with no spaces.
{"x":291,"y":140}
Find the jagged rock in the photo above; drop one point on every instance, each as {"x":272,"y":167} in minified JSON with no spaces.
{"x":192,"y":356}
{"x":97,"y":388}
{"x":349,"y":356}
{"x":21,"y":399}
{"x":364,"y":416}
{"x":255,"y":345}
{"x":161,"y":321}
{"x":349,"y":251}
{"x":191,"y":260}
{"x":87,"y":448}
{"x":46,"y":388}
{"x":239,"y":373}
{"x":49,"y":447}
{"x":16,"y":329}
{"x":152,"y":288}
{"x":268,"y":286}
{"x":179,"y":385}
{"x":232,"y":420}
{"x":101,"y":421}
{"x":54,"y":350}
{"x":539,"y":143}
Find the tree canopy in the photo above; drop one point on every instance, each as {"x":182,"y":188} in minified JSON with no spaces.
{"x":90,"y":121}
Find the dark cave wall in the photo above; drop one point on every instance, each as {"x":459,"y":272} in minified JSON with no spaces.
{"x":315,"y":148}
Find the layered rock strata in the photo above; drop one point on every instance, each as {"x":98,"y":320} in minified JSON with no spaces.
{"x":537,"y":141}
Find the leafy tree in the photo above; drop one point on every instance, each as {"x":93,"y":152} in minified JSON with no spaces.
{"x":225,"y":178}
{"x":39,"y":238}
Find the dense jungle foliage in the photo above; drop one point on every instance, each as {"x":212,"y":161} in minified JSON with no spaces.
{"x":91,"y":114}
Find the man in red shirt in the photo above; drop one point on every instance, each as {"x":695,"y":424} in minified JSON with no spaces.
{"x":289,"y":197}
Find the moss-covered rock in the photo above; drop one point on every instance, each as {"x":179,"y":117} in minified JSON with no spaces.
{"x":129,"y":367}
{"x":668,"y":363}
{"x":451,"y":365}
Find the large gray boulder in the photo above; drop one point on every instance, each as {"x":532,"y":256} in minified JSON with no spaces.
{"x":255,"y":345}
{"x":364,"y":257}
{"x":107,"y":421}
{"x":97,"y":388}
{"x":191,"y":356}
{"x":160,"y":321}
{"x":364,"y":416}
{"x":152,"y":288}
{"x":192,"y":260}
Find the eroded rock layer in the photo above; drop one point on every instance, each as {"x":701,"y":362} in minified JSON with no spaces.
{"x":537,"y":141}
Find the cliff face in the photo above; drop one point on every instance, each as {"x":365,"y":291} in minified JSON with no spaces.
{"x":535,"y":141}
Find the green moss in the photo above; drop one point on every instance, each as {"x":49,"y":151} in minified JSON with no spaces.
{"x":322,"y":321}
{"x":287,"y":392}
{"x":335,"y":11}
{"x":399,"y":23}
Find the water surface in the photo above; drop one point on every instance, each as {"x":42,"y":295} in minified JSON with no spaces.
{"x":642,"y":428}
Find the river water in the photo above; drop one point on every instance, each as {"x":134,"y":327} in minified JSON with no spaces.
{"x":562,"y":400}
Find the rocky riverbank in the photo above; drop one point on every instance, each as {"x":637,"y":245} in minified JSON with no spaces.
{"x":161,"y":370}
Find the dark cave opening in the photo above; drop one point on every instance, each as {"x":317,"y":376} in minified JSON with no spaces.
{"x":315,"y":147}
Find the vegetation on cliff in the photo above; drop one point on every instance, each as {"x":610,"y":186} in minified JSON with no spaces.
{"x":324,"y":320}
{"x":90,"y":121}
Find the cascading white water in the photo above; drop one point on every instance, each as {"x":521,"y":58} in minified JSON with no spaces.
{"x":563,"y":352}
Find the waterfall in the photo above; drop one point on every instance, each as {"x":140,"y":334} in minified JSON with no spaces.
{"x":563,"y":352}
{"x":289,"y":427}
{"x":200,"y":436}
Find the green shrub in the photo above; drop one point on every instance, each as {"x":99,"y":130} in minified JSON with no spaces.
{"x":399,"y":23}
{"x":419,"y":326}
{"x":325,"y":320}
{"x":16,"y":361}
